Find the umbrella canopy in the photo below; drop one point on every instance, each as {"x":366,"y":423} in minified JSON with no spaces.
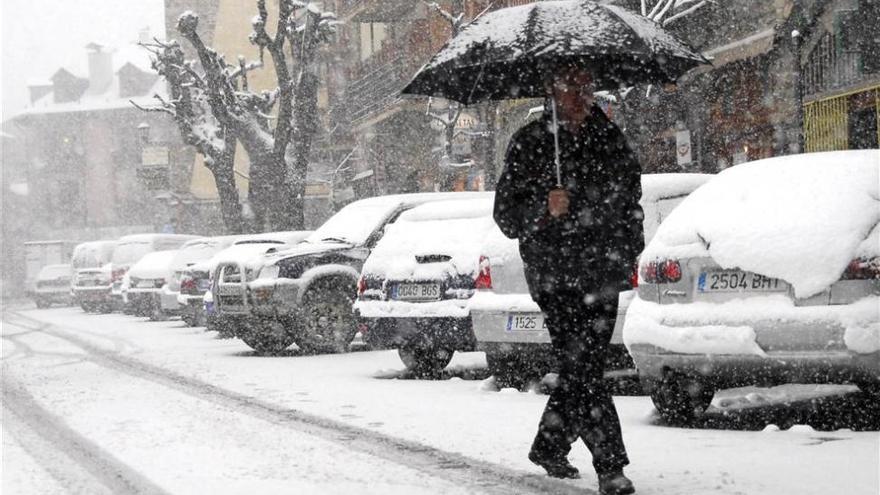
{"x":510,"y":52}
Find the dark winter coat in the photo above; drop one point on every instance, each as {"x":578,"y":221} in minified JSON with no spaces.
{"x":594,"y":247}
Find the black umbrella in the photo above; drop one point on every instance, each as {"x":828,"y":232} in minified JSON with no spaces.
{"x":509,"y":53}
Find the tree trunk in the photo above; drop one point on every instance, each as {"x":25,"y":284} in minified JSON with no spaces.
{"x":224,"y":178}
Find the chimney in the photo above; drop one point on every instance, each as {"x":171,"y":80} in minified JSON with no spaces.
{"x":100,"y":68}
{"x":144,"y":35}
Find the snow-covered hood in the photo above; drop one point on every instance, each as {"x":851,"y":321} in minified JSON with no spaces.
{"x":306,"y":249}
{"x":801,"y":218}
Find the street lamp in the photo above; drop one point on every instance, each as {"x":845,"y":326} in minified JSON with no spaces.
{"x":144,"y":132}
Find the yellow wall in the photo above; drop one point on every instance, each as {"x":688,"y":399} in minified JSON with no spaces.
{"x":231,"y":39}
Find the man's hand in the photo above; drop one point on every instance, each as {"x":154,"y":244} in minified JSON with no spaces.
{"x":558,"y":202}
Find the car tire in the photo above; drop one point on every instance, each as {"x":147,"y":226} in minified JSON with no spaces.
{"x":423,"y":359}
{"x":188,"y":319}
{"x":679,"y":400}
{"x":268,"y":337}
{"x":328,"y":324}
{"x":506,"y":367}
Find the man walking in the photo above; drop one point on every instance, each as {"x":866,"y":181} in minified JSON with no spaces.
{"x":580,"y":232}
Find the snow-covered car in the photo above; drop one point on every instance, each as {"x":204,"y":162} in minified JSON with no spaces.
{"x":414,"y":287}
{"x":768,"y":274}
{"x":90,"y":274}
{"x":130,"y":249}
{"x":304,"y":294}
{"x":192,"y":252}
{"x":52,"y":286}
{"x":509,"y":325}
{"x":146,"y":278}
{"x":195,"y":280}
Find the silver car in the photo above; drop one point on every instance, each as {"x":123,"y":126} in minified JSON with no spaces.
{"x":768,"y":274}
{"x":509,"y":325}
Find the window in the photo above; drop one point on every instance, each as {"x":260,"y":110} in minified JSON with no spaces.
{"x":372,"y":36}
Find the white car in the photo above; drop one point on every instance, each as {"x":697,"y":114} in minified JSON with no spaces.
{"x":509,"y":325}
{"x":52,"y":286}
{"x":414,"y":287}
{"x":195,"y":280}
{"x":130,"y":249}
{"x":90,"y":278}
{"x":766,"y":275}
{"x":145,"y":279}
{"x":192,"y":252}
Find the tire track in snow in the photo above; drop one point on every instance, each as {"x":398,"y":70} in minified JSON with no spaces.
{"x":77,"y":463}
{"x":452,"y":467}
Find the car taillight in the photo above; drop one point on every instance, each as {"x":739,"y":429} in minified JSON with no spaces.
{"x":116,"y":275}
{"x":484,"y":275}
{"x":634,"y":276}
{"x":862,"y":269}
{"x":362,"y":285}
{"x":187,"y":285}
{"x":661,"y":272}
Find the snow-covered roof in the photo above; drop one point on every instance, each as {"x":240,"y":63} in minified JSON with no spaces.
{"x":800,"y":218}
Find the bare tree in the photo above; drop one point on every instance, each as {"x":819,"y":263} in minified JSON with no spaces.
{"x":197,"y":125}
{"x":268,"y":123}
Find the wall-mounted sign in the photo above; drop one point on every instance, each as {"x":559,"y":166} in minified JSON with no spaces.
{"x":155,"y":156}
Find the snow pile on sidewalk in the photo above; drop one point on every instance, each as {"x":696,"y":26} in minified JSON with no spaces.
{"x":800,"y":218}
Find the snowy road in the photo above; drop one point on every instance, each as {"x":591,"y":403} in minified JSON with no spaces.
{"x":112,"y":404}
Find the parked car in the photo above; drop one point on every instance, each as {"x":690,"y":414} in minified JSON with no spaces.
{"x":90,"y":275}
{"x":304,"y":294}
{"x":192,"y":252}
{"x":195,"y":280}
{"x":38,"y":254}
{"x":415,"y":285}
{"x":142,"y":290}
{"x":768,"y":274}
{"x":52,"y":286}
{"x":130,"y":249}
{"x":509,"y":325}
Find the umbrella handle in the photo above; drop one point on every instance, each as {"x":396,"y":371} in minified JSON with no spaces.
{"x":556,"y":143}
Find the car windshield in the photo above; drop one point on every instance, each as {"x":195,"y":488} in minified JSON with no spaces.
{"x":352,"y":225}
{"x":129,"y":252}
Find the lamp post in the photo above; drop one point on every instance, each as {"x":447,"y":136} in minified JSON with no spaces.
{"x":799,"y":90}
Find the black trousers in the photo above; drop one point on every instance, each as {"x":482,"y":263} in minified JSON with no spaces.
{"x":581,"y":405}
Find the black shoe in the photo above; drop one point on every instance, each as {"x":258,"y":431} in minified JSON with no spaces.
{"x":615,"y":484}
{"x":556,"y":467}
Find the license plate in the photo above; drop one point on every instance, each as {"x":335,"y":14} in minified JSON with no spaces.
{"x":737,"y":281}
{"x":416,"y":292}
{"x":525,"y":322}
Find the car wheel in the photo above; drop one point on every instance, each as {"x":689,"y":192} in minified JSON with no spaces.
{"x":157,"y":314}
{"x":268,"y":337}
{"x":328,"y":324}
{"x":424,"y":359}
{"x":679,"y":400}
{"x":507,"y":369}
{"x":188,"y":319}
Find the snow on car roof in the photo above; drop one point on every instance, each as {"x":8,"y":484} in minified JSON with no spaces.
{"x":453,"y":209}
{"x":801,"y":218}
{"x":156,"y":264}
